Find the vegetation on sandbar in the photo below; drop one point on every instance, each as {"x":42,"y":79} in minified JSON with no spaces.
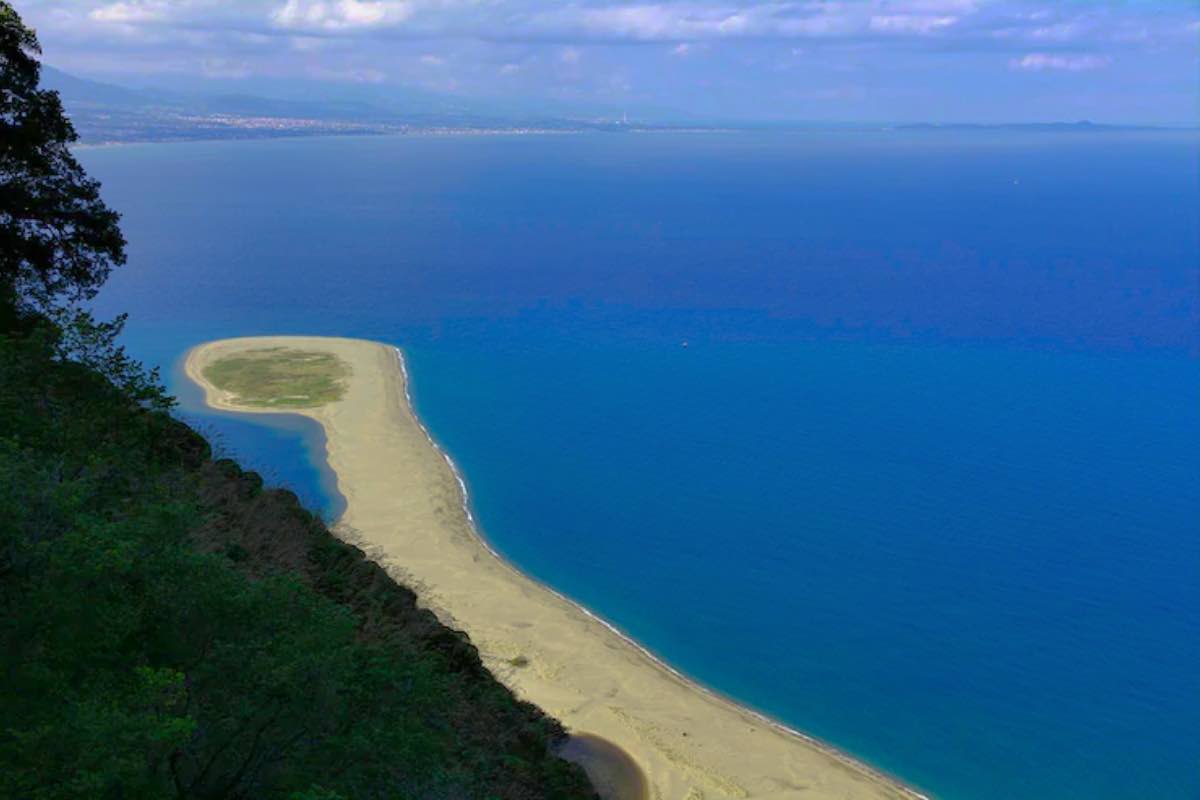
{"x":280,"y":377}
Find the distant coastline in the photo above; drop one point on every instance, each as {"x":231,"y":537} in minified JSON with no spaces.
{"x":439,"y":549}
{"x":229,"y":128}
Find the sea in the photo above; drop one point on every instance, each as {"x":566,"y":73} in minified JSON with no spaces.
{"x":892,"y":435}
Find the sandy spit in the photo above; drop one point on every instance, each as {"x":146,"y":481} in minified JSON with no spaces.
{"x":406,"y":506}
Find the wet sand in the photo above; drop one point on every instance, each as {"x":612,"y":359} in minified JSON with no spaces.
{"x":405,"y":505}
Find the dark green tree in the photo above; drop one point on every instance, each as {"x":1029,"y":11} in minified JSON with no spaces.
{"x":58,"y":240}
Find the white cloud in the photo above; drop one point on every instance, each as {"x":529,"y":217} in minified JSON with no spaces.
{"x":1023,"y":23}
{"x":826,"y":24}
{"x":1039,"y":62}
{"x":930,"y":6}
{"x":349,"y":75}
{"x":308,"y":44}
{"x":689,"y":21}
{"x":911,"y":23}
{"x":224,"y":68}
{"x":1059,"y":32}
{"x":130,"y":13}
{"x":655,"y":22}
{"x":576,"y":45}
{"x":340,"y":15}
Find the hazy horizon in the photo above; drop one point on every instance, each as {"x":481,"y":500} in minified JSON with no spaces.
{"x":855,"y":61}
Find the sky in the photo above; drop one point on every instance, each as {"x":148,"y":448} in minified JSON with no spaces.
{"x":987,"y":61}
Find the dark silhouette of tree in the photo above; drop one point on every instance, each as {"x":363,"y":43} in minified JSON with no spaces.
{"x":58,"y":240}
{"x":168,"y":628}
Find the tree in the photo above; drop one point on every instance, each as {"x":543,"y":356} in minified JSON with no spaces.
{"x":58,"y":240}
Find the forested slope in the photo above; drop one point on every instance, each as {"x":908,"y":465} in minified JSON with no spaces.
{"x":168,"y":627}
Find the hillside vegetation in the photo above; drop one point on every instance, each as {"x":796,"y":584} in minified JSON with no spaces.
{"x":169,"y":628}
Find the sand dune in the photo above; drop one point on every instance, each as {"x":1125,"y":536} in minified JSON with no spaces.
{"x":405,"y":506}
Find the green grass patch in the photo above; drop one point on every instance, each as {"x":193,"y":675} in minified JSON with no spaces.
{"x":280,"y":377}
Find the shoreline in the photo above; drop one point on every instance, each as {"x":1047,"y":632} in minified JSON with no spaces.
{"x":646,"y":652}
{"x":878,"y":783}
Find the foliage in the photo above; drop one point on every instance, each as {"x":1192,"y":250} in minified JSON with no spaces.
{"x":170,"y":629}
{"x":280,"y":377}
{"x":58,"y":240}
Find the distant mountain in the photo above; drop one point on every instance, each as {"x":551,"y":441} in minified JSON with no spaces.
{"x":223,"y":108}
{"x":105,"y":112}
{"x":81,"y":92}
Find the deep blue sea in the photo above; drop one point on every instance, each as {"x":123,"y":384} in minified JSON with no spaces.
{"x":924,"y":482}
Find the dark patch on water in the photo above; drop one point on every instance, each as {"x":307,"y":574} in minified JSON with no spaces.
{"x":612,"y":771}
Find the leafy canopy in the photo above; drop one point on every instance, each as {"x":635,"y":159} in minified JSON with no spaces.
{"x":58,"y":240}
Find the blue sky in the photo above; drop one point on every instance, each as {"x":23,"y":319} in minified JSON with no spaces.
{"x":820,"y":60}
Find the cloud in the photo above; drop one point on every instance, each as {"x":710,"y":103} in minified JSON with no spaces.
{"x":431,"y":60}
{"x":685,"y":21}
{"x":929,"y":48}
{"x":350,"y":75}
{"x":982,"y":24}
{"x":911,"y":23}
{"x":224,"y":68}
{"x":1039,"y":62}
{"x":129,"y":13}
{"x":657,"y":22}
{"x":307,"y":44}
{"x":1059,"y":32}
{"x":340,"y":15}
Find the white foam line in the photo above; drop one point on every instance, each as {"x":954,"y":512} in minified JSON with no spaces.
{"x":823,"y":746}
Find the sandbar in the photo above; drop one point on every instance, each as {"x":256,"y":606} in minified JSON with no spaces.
{"x":407,"y":508}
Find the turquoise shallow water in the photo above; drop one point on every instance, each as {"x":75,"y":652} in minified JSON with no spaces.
{"x":923,"y":481}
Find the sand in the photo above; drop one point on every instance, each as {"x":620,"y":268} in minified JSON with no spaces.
{"x":405,"y":506}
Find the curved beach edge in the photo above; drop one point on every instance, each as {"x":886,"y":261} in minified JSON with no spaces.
{"x":670,"y":772}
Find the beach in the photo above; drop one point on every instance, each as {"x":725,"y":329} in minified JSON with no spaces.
{"x":406,"y":507}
